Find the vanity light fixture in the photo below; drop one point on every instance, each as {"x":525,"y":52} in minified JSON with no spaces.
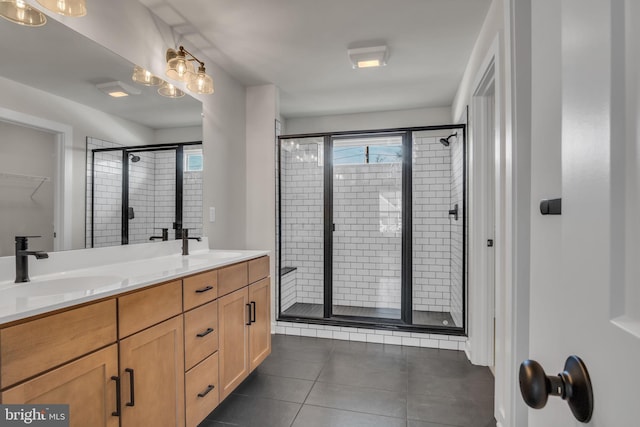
{"x":170,"y":91}
{"x":19,"y":12}
{"x":144,"y":77}
{"x":368,"y":57}
{"x":117,"y":89}
{"x":74,"y":8}
{"x":180,"y":67}
{"x":201,"y":82}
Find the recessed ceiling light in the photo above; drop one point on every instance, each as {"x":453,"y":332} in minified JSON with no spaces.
{"x":117,"y":89}
{"x":368,"y":57}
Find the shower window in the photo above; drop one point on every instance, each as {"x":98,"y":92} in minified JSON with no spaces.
{"x":365,"y":231}
{"x":193,"y":160}
{"x":366,"y":150}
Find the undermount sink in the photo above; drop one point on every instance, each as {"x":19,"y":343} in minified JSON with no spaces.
{"x":62,"y":285}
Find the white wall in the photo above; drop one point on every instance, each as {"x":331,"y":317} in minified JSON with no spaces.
{"x":368,"y":121}
{"x":130,"y":30}
{"x":492,"y":27}
{"x":183,"y":134}
{"x":26,"y":203}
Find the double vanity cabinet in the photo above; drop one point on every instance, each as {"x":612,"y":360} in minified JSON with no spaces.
{"x":164,"y":355}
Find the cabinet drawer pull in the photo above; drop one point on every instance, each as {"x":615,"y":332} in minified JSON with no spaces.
{"x":248,"y":315}
{"x":253,"y":318}
{"x":208,"y":288}
{"x":132,"y":395}
{"x":205,"y":333}
{"x":204,"y":393}
{"x":116,"y":413}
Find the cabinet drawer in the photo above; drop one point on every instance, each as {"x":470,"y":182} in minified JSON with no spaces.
{"x":145,"y":308}
{"x":200,"y":289}
{"x":200,"y":333}
{"x":201,"y":386}
{"x":258,"y":269}
{"x":42,"y":344}
{"x":232,"y":278}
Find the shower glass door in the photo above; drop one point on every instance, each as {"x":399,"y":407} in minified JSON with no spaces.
{"x":105,"y":227}
{"x":438,"y":218}
{"x":367,"y":226}
{"x":301,"y":225}
{"x":152,"y":194}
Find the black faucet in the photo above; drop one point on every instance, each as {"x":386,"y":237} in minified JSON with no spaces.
{"x":22,"y":254}
{"x":164,"y":237}
{"x":185,"y":241}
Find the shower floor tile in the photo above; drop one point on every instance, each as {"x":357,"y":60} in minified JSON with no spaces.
{"x":419,"y":317}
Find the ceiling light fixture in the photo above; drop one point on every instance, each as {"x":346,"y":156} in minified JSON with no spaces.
{"x":368,"y":57}
{"x":144,"y":77}
{"x":19,"y":12}
{"x":75,"y":8}
{"x":170,"y":91}
{"x":117,"y":89}
{"x":180,"y":67}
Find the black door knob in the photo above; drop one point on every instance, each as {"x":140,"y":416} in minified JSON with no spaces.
{"x":573,"y":385}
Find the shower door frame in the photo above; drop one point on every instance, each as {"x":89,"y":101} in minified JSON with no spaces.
{"x":405,"y":323}
{"x":126,"y":151}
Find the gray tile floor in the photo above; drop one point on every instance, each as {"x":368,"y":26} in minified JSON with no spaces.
{"x":313,"y":382}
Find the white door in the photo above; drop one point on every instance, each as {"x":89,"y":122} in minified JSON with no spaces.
{"x":585,"y":263}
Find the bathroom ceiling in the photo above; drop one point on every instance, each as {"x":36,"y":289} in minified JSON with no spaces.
{"x":301,"y":47}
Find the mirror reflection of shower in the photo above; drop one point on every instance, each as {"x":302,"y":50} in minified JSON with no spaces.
{"x":161,"y":189}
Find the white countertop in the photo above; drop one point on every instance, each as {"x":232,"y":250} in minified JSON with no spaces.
{"x":122,"y":269}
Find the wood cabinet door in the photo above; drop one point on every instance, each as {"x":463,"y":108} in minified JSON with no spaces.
{"x":233,"y":339}
{"x":152,"y":372}
{"x":260,"y":329}
{"x":85,"y":385}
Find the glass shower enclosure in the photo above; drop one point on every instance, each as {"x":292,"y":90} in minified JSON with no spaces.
{"x":140,"y":194}
{"x":372,"y":228}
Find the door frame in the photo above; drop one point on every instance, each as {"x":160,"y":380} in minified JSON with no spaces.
{"x":63,"y":179}
{"x":484,"y":200}
{"x":514,"y":259}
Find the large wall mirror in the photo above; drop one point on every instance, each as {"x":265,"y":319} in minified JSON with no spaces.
{"x":54,"y":118}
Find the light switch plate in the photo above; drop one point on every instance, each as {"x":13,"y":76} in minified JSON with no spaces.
{"x":212,"y":214}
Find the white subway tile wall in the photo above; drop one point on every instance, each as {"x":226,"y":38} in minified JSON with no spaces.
{"x":382,"y":336}
{"x":108,"y":206}
{"x":457,"y":182}
{"x":192,"y":203}
{"x":141,"y":197}
{"x":431,"y":224}
{"x":288,"y":289}
{"x":302,"y":216}
{"x":165,"y":191}
{"x":367,"y":209}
